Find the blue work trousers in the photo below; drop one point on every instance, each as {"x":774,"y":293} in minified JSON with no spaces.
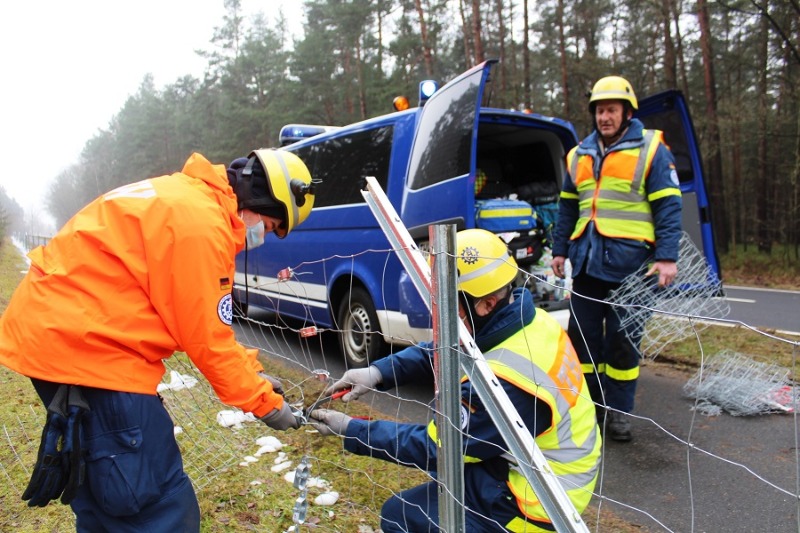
{"x":134,"y":472}
{"x":604,"y":349}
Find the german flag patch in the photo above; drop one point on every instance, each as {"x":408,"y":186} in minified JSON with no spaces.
{"x":224,"y":284}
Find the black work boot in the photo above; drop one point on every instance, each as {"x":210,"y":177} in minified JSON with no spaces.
{"x":600,"y":413}
{"x":618,"y":426}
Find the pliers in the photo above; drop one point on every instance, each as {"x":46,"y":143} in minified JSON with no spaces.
{"x":303,"y":415}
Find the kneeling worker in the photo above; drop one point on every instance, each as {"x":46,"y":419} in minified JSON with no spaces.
{"x":533,"y":358}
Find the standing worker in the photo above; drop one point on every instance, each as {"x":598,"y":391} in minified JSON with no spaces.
{"x":620,"y":208}
{"x":140,"y":273}
{"x":532,"y":356}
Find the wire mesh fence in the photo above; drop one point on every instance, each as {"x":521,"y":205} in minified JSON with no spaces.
{"x":246,"y":475}
{"x":663,"y":315}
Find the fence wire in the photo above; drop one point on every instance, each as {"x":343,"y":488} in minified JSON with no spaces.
{"x":246,"y":475}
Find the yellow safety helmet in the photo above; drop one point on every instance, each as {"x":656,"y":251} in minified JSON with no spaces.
{"x":483,"y":261}
{"x":613,"y":88}
{"x":284,"y":190}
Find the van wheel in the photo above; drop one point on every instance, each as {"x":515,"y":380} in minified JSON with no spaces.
{"x":359,"y":338}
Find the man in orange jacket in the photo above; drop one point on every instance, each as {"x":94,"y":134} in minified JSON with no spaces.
{"x":140,"y":273}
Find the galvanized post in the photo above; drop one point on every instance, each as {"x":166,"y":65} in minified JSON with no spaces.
{"x":444,"y":304}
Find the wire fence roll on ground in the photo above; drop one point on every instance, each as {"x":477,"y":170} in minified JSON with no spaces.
{"x":742,"y":385}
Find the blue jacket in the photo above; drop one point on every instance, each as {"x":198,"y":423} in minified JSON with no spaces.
{"x":613,"y":259}
{"x":409,"y":443}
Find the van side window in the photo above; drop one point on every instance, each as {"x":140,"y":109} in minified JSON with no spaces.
{"x":343,"y":163}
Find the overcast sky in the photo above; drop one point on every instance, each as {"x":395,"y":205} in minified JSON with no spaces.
{"x":68,"y":67}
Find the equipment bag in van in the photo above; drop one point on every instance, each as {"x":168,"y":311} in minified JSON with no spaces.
{"x":500,"y":214}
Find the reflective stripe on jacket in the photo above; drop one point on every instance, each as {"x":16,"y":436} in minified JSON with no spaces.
{"x":553,"y":375}
{"x":138,"y":274}
{"x":611,"y":191}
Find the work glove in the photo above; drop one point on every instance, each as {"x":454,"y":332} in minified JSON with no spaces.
{"x":277,"y":386}
{"x":360,"y":380}
{"x":329,"y":421}
{"x":282,"y":418}
{"x":60,"y":467}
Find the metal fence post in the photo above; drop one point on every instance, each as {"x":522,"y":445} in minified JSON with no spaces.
{"x":444,"y":304}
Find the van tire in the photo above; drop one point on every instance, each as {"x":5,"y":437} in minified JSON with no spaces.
{"x":359,"y":338}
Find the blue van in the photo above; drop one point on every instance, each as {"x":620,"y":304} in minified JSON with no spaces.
{"x":444,"y":162}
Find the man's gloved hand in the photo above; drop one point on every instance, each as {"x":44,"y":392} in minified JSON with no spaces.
{"x":277,"y":386}
{"x":361,"y":380}
{"x":329,"y":422}
{"x":282,"y":418}
{"x":60,"y":466}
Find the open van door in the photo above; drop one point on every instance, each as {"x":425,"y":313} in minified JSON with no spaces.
{"x":444,"y":149}
{"x":667,"y":111}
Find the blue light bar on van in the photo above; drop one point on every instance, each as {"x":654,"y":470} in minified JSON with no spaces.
{"x":426,"y":90}
{"x":291,"y":133}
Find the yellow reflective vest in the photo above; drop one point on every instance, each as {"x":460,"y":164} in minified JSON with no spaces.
{"x":540,"y":360}
{"x":616,"y":200}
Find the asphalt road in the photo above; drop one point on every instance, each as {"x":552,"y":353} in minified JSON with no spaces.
{"x":768,"y":308}
{"x":683,"y":472}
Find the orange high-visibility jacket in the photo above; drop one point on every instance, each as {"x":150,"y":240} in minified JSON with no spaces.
{"x":140,"y":273}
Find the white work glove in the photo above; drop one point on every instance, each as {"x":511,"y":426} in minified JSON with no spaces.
{"x":329,"y":422}
{"x":277,"y":386}
{"x":282,"y":418}
{"x":361,"y":380}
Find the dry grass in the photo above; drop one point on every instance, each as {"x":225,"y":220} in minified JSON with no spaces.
{"x":780,"y":349}
{"x":778,"y":270}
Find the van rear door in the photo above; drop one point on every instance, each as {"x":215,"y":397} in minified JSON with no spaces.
{"x":667,"y":111}
{"x":444,"y":150}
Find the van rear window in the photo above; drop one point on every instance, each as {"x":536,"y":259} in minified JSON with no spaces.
{"x":669,"y":121}
{"x":442,"y":148}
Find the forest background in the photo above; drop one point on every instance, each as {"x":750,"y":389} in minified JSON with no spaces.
{"x":736,"y":61}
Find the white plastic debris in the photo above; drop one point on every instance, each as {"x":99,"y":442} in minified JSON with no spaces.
{"x":318,"y":482}
{"x":264,"y":449}
{"x":289,"y":476}
{"x":281,"y":466}
{"x":268,"y":445}
{"x":251,"y":459}
{"x":327,"y":498}
{"x":177,"y":381}
{"x":177,"y":430}
{"x":234,"y":418}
